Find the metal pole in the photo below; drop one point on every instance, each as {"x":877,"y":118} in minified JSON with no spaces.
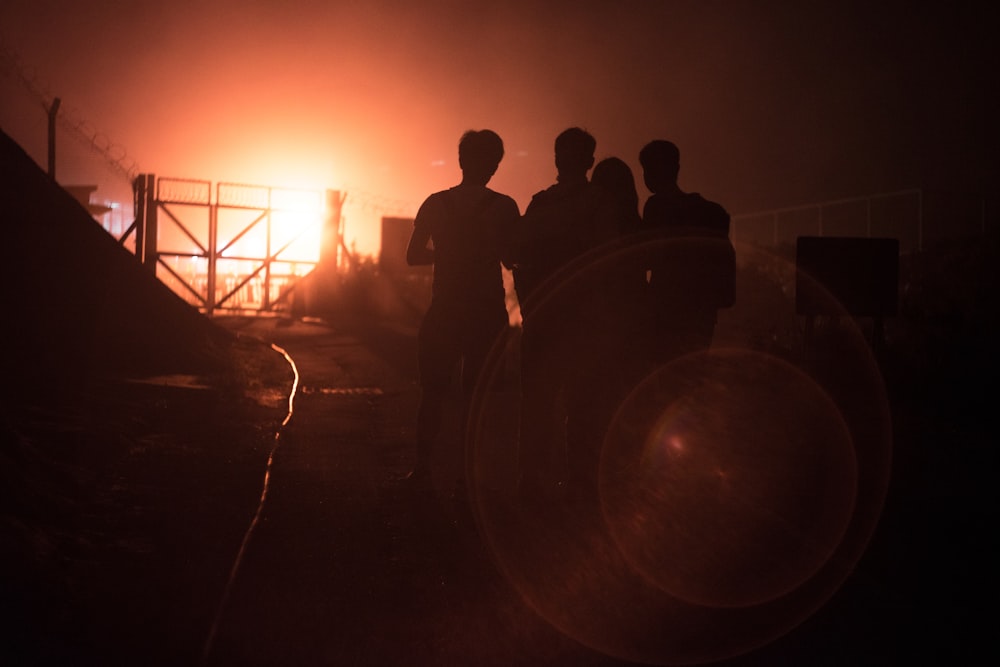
{"x":266,"y":301}
{"x":139,"y":200}
{"x":150,"y":254}
{"x":53,"y":112}
{"x":213,"y":252}
{"x":330,"y":238}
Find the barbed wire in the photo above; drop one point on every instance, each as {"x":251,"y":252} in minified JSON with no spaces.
{"x":70,"y":118}
{"x":117,"y":156}
{"x":369,"y":202}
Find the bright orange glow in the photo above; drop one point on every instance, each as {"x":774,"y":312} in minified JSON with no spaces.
{"x":372,"y":97}
{"x":296,"y":224}
{"x":259,"y":222}
{"x":264,"y":237}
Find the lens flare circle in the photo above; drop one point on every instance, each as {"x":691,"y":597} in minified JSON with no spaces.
{"x":728,"y":478}
{"x":739,"y":487}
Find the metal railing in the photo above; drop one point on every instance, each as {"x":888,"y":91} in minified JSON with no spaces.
{"x":244,"y":250}
{"x":898,"y":214}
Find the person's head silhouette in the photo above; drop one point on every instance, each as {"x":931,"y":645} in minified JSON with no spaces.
{"x":615,"y":176}
{"x":574,"y":154}
{"x":479,"y":155}
{"x":661,"y":162}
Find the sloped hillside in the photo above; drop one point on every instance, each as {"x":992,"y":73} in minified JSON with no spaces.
{"x":77,"y":305}
{"x":101,"y":477}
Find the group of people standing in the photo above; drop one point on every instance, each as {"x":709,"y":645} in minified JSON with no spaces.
{"x":606,"y":294}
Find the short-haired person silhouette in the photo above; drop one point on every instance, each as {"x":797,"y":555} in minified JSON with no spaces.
{"x":692,"y":271}
{"x":467,"y":233}
{"x":563,"y":307}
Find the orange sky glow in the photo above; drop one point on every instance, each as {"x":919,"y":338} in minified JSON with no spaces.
{"x":771,"y":106}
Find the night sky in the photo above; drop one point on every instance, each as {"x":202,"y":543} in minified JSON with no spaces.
{"x":772,"y":104}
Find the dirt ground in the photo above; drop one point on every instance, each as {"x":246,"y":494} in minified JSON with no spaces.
{"x":128,"y":509}
{"x":123,"y":498}
{"x":133,"y":500}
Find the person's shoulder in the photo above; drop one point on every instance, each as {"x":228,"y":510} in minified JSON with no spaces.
{"x":435,"y":198}
{"x":433,"y":206}
{"x":594,"y":191}
{"x":599,"y":199}
{"x":547,"y":193}
{"x":502,"y":205}
{"x":655,"y":207}
{"x":544,"y":197}
{"x":438,"y":199}
{"x":584,"y":191}
{"x":707,"y":205}
{"x":501,"y":197}
{"x":709,"y":214}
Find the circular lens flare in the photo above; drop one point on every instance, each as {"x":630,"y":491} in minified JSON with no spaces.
{"x":728,"y":478}
{"x":738,"y":487}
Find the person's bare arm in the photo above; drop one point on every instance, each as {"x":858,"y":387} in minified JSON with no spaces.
{"x":510,"y":239}
{"x":419,"y":251}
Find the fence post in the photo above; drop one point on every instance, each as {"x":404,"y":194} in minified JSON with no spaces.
{"x":139,"y":206}
{"x":150,"y":254}
{"x":144,"y":188}
{"x":266,"y":297}
{"x":213,"y":252}
{"x":330,"y":236}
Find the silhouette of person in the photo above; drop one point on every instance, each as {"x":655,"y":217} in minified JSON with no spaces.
{"x":564,"y":319}
{"x":692,"y":270}
{"x":466,"y":232}
{"x":615,"y":177}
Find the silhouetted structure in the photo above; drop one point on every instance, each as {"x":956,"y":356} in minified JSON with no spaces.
{"x":692,"y":264}
{"x":465,"y":232}
{"x":565,"y":299}
{"x":84,"y":307}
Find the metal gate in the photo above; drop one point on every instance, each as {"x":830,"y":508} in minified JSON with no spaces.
{"x":234,"y":247}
